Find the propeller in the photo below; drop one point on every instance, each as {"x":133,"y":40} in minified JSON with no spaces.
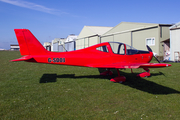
{"x":150,"y":50}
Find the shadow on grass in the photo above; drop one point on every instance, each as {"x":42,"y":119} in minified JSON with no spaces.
{"x":46,"y":78}
{"x":132,"y":81}
{"x":149,"y":86}
{"x":146,"y":85}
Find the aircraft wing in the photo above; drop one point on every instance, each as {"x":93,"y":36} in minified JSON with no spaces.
{"x":131,"y":65}
{"x":154,"y":65}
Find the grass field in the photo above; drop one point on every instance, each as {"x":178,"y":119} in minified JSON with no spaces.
{"x":43,"y":91}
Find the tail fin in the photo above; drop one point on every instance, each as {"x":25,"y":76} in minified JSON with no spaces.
{"x":28,"y":43}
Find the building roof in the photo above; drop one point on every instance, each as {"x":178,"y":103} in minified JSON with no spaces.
{"x":89,"y":31}
{"x":14,"y":45}
{"x":99,"y":30}
{"x":132,"y":26}
{"x":124,"y":26}
{"x":175,"y":26}
{"x":47,"y":43}
{"x":71,"y":37}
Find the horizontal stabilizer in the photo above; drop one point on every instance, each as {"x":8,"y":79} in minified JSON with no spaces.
{"x":24,"y":58}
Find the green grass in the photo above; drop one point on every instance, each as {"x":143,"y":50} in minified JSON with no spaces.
{"x":43,"y":91}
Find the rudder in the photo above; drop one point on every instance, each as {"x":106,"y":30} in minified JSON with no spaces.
{"x":28,"y":43}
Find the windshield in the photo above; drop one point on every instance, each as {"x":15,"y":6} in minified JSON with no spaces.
{"x":130,"y":50}
{"x":121,"y":48}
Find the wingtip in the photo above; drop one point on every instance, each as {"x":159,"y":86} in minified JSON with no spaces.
{"x":168,"y":65}
{"x":12,"y":61}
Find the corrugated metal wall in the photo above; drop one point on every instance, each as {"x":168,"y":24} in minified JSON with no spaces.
{"x":86,"y":42}
{"x":55,"y":46}
{"x":70,"y":46}
{"x":61,"y":48}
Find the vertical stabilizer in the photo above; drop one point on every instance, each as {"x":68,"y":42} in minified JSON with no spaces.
{"x":28,"y":43}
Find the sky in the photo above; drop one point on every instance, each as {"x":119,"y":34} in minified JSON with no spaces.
{"x":49,"y":19}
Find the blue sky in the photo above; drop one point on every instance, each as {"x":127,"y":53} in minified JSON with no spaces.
{"x":49,"y":19}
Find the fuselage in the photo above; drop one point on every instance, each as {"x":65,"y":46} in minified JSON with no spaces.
{"x":102,"y":53}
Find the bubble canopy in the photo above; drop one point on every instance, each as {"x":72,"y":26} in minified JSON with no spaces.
{"x":122,"y":49}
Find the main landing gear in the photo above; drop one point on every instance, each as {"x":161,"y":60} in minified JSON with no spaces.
{"x":108,"y":72}
{"x":144,"y":74}
{"x":120,"y":78}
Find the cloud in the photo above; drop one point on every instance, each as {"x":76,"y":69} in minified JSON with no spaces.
{"x":33,"y":6}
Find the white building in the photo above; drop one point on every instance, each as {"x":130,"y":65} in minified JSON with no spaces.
{"x":14,"y":47}
{"x":56,"y":43}
{"x":71,"y":37}
{"x":64,"y":44}
{"x":47,"y":46}
{"x":175,"y":42}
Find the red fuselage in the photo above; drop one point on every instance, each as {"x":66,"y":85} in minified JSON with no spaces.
{"x":91,"y":56}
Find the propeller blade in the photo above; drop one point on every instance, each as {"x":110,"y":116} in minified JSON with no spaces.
{"x":150,"y":50}
{"x":156,"y":58}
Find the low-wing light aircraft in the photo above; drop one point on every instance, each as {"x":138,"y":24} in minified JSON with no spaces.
{"x":106,"y":55}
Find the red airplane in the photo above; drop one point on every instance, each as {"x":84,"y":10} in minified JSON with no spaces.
{"x":106,"y":55}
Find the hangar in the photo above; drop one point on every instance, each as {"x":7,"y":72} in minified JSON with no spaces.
{"x":90,"y":35}
{"x":137,"y":35}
